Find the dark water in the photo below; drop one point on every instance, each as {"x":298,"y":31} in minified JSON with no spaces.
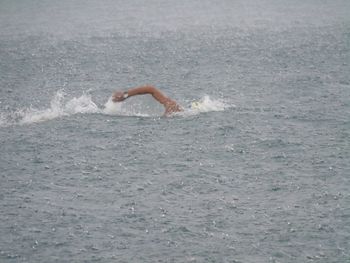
{"x":260,"y":173}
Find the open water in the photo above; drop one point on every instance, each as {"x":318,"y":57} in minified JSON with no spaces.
{"x":260,"y":173}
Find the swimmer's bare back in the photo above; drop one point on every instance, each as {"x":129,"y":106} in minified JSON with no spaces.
{"x":170,"y":105}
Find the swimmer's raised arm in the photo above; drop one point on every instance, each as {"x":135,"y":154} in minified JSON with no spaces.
{"x":120,"y":96}
{"x":170,"y":105}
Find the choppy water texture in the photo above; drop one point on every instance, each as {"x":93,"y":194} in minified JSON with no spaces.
{"x":259,"y":173}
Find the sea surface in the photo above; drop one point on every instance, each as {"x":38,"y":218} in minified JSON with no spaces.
{"x":258,"y":173}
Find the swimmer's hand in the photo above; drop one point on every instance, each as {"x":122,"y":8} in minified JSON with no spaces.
{"x":118,"y":96}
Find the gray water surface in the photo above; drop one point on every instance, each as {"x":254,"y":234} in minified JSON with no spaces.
{"x":260,"y":175}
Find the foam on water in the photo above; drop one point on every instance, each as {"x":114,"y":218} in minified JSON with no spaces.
{"x":60,"y":107}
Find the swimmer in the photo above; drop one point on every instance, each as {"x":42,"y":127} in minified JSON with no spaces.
{"x":170,"y":105}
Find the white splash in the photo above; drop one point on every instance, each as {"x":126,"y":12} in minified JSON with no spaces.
{"x":207,"y":104}
{"x":58,"y":108}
